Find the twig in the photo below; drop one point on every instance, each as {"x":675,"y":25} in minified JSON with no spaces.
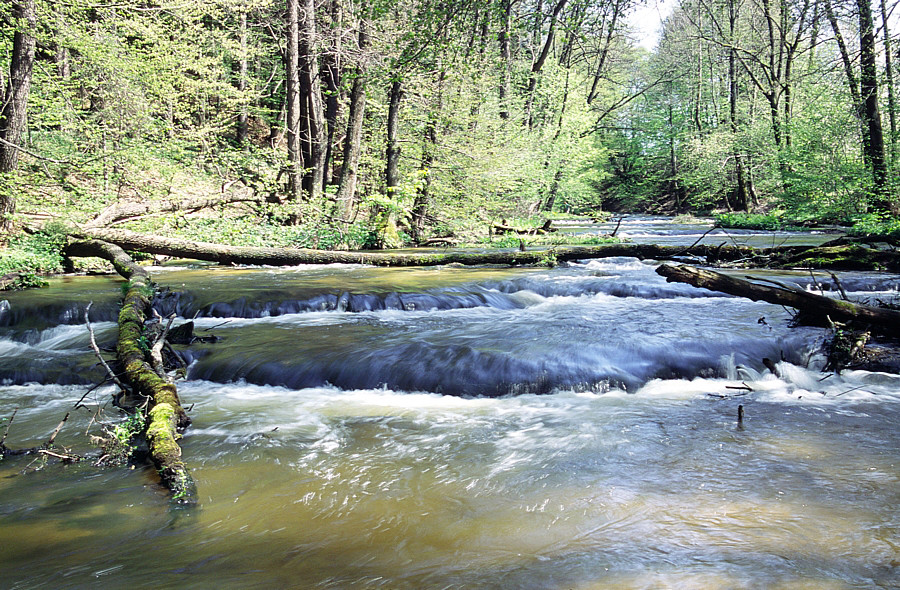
{"x":96,"y":348}
{"x":8,"y":425}
{"x":816,"y":283}
{"x":216,"y":326}
{"x":90,"y":391}
{"x":840,"y":287}
{"x":743,"y":386}
{"x":700,"y":239}
{"x":55,"y":432}
{"x":854,"y":389}
{"x":618,"y":223}
{"x":32,"y":154}
{"x":60,"y":456}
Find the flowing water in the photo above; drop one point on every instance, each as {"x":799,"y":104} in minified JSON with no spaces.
{"x":461,"y":428}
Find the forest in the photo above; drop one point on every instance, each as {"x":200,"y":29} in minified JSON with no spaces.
{"x":366,"y":124}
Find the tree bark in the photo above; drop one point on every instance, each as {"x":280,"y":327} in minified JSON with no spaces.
{"x":429,"y":147}
{"x":868,"y":90}
{"x":13,"y":117}
{"x":885,"y":321}
{"x":743,"y":201}
{"x":604,"y":52}
{"x":889,"y":82}
{"x":331,"y":74}
{"x":346,"y":192}
{"x":312,"y":112}
{"x":243,"y":119}
{"x":392,"y":170}
{"x":538,"y":63}
{"x":506,"y":58}
{"x":126,"y":211}
{"x":292,"y":68}
{"x":151,"y":244}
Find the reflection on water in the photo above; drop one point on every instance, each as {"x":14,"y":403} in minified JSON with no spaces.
{"x":333,"y":485}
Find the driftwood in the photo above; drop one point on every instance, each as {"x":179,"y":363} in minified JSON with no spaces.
{"x":223,"y":254}
{"x":166,"y":415}
{"x":824,"y":309}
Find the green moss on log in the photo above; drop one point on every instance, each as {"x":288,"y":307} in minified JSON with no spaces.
{"x":166,"y":416}
{"x":163,"y":438}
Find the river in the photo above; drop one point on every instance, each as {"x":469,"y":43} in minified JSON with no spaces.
{"x":356,"y":427}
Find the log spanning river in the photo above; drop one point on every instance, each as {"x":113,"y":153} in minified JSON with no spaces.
{"x":568,"y":428}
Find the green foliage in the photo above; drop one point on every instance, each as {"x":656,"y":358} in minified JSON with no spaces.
{"x":33,"y":254}
{"x":118,"y":442}
{"x":876,"y":225}
{"x":26,"y":280}
{"x":775,"y":221}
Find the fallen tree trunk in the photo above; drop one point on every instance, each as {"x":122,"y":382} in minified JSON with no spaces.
{"x":166,"y":416}
{"x":128,"y":210}
{"x":178,"y":248}
{"x":884,"y":321}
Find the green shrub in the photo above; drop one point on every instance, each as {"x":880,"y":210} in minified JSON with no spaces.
{"x":33,"y":254}
{"x":768,"y":221}
{"x":876,"y":225}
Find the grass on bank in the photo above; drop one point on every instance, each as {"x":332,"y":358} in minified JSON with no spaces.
{"x":870,"y":225}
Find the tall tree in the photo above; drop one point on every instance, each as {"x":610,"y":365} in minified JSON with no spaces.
{"x":346,"y":192}
{"x":312,"y":112}
{"x":868,"y":89}
{"x":13,"y":117}
{"x":293,"y":98}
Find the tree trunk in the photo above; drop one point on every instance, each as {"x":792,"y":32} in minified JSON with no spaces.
{"x":868,"y":90}
{"x":741,"y":190}
{"x":292,"y":67}
{"x":129,"y":210}
{"x":889,"y":82}
{"x":830,"y":257}
{"x":392,"y":170}
{"x":604,"y":52}
{"x":554,"y":188}
{"x":346,"y":192}
{"x":13,"y":117}
{"x":243,"y":119}
{"x":331,"y":74}
{"x":506,"y":59}
{"x":312,"y":113}
{"x":429,"y":146}
{"x":885,"y":321}
{"x":538,"y":63}
{"x":292,"y":256}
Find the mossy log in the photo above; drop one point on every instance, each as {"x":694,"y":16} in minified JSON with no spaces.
{"x":884,"y":321}
{"x":224,"y":254}
{"x":166,"y":416}
{"x":852,"y":256}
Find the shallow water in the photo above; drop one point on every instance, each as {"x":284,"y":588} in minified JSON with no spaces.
{"x":593,"y":443}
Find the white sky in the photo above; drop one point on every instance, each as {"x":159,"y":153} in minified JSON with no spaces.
{"x":646,"y":21}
